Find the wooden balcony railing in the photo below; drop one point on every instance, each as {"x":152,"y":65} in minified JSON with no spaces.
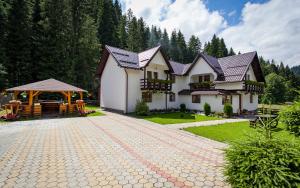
{"x":202,"y":86}
{"x":156,"y":84}
{"x":253,"y":86}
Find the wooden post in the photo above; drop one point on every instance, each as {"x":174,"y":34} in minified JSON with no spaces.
{"x":30,"y":101}
{"x":69,"y":101}
{"x":81,"y":95}
{"x":16,"y":93}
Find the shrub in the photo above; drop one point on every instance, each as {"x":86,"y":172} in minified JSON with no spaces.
{"x":228,"y":111}
{"x":263,"y":163}
{"x":290,"y":116}
{"x":141,"y":108}
{"x":182,"y":108}
{"x":207,"y":109}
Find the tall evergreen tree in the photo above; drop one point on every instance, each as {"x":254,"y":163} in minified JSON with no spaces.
{"x":106,"y":25}
{"x":132,"y":43}
{"x":58,"y":43}
{"x":194,"y":47}
{"x":142,"y":37}
{"x":37,"y":42}
{"x":182,"y":48}
{"x":154,"y":37}
{"x":121,"y":33}
{"x":222,"y":52}
{"x":173,"y":46}
{"x":214,"y":48}
{"x":18,"y":44}
{"x":231,"y":52}
{"x":165,"y":41}
{"x":3,"y":32}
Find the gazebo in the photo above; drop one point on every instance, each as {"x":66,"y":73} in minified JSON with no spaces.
{"x":33,"y":90}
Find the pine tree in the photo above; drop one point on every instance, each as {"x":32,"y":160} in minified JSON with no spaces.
{"x":165,"y":42}
{"x":106,"y":25}
{"x":37,"y":42}
{"x":214,"y":46}
{"x":3,"y":32}
{"x":194,"y":47}
{"x":231,"y":52}
{"x":173,"y":46}
{"x":223,"y":52}
{"x":58,"y":52}
{"x":154,"y":37}
{"x":182,"y":49}
{"x":121,"y":33}
{"x":132,"y":43}
{"x":18,"y":44}
{"x":141,"y":35}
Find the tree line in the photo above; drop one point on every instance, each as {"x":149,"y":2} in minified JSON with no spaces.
{"x":63,"y":39}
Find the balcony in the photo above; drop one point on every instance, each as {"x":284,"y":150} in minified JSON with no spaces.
{"x":156,"y":84}
{"x":253,"y":86}
{"x":202,"y":86}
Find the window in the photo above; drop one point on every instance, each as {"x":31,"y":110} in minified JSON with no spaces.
{"x":206,"y":78}
{"x":227,"y":99}
{"x":251,"y":98}
{"x":172,"y":97}
{"x":149,"y":75}
{"x":147,"y":97}
{"x":173,"y":78}
{"x":247,"y":77}
{"x":200,"y":79}
{"x":155,"y":75}
{"x":196,"y":99}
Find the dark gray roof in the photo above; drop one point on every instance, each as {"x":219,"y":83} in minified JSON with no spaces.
{"x":229,"y":69}
{"x":213,"y":63}
{"x":179,"y":68}
{"x":132,"y":59}
{"x":235,"y":67}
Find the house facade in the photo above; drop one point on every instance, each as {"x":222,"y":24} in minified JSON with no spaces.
{"x":126,"y":77}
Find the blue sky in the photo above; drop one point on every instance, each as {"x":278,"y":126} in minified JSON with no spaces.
{"x":230,"y":9}
{"x":270,"y":27}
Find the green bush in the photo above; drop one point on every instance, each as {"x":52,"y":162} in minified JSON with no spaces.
{"x":263,"y":163}
{"x":182,"y":108}
{"x":141,"y":108}
{"x":207,"y":109}
{"x":228,"y":111}
{"x":290,"y":116}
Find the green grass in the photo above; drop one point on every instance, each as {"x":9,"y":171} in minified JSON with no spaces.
{"x":96,"y":108}
{"x":233,"y":132}
{"x":175,"y":117}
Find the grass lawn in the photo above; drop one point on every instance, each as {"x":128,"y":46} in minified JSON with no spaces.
{"x":232,"y":132}
{"x":175,"y":117}
{"x":96,"y":108}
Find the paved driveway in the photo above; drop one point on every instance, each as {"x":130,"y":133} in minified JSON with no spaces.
{"x":107,"y":151}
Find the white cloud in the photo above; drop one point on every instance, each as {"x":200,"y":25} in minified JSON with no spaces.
{"x":190,"y":16}
{"x":272,"y":29}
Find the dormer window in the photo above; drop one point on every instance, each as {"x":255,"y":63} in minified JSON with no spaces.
{"x":247,"y":77}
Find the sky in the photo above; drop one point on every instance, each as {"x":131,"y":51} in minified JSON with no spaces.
{"x":270,"y":27}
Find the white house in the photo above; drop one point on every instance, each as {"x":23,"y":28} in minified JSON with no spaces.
{"x":126,"y":77}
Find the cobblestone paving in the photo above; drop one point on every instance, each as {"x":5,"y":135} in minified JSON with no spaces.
{"x":106,"y":151}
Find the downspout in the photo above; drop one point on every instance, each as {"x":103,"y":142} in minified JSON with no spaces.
{"x":99,"y":91}
{"x":126,"y":91}
{"x":167,"y":95}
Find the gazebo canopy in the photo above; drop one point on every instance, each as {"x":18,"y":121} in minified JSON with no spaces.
{"x":50,"y":85}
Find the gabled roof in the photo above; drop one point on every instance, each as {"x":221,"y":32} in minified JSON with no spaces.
{"x":128,"y":59}
{"x":47,"y":85}
{"x":231,"y":68}
{"x":180,"y":68}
